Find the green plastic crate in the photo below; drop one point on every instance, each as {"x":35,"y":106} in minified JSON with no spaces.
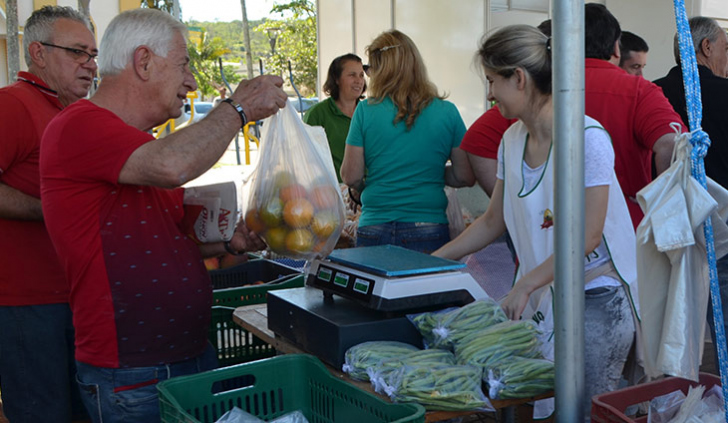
{"x":234,"y":344}
{"x":254,"y":294}
{"x":251,"y":271}
{"x":275,"y":386}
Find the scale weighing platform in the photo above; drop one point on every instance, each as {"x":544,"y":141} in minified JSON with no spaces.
{"x":364,"y":294}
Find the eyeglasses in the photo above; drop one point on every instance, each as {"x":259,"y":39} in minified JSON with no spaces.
{"x":79,"y":56}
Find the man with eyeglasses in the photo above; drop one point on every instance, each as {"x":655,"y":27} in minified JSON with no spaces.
{"x":36,"y":332}
{"x":141,"y":295}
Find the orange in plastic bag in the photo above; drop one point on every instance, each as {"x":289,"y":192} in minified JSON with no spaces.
{"x":294,"y":203}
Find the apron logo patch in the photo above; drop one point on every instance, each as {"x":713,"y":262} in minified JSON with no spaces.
{"x":548,"y":219}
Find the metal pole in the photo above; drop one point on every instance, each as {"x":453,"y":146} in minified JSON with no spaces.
{"x":568,"y":97}
{"x":13,"y":46}
{"x":246,"y":38}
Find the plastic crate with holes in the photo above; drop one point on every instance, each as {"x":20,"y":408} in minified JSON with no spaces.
{"x":275,"y":386}
{"x":611,"y":407}
{"x":245,"y":284}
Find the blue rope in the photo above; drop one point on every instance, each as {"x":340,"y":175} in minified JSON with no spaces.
{"x":701,"y":142}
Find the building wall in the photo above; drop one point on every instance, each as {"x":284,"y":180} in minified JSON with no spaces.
{"x":447,"y":37}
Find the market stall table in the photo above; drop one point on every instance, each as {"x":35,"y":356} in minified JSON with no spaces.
{"x":254,"y":318}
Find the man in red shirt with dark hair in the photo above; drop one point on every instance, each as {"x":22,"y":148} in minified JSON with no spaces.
{"x":36,"y":332}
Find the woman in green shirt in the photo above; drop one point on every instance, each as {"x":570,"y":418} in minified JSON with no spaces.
{"x":402,"y":137}
{"x":345,"y":86}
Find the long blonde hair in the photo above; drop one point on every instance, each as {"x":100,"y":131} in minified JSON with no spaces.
{"x":398,"y":72}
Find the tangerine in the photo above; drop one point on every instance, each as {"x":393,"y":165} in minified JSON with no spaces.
{"x":299,"y":241}
{"x":254,"y":222}
{"x":298,"y":212}
{"x":276,"y":238}
{"x":271,"y":213}
{"x":324,"y":224}
{"x":292,"y":191}
{"x":324,"y":197}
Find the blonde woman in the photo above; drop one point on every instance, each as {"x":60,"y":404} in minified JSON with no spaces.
{"x":517,"y":64}
{"x":400,"y":140}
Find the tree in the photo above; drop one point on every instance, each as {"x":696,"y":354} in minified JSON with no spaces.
{"x":295,"y":40}
{"x":165,"y":5}
{"x":204,"y":53}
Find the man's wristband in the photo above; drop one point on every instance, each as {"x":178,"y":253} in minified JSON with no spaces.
{"x":238,"y":108}
{"x":230,"y":250}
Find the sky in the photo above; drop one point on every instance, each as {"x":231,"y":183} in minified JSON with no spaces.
{"x":223,"y":10}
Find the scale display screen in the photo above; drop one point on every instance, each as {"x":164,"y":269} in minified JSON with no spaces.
{"x":325,"y":274}
{"x":343,"y":282}
{"x":361,"y":285}
{"x":341,"y":279}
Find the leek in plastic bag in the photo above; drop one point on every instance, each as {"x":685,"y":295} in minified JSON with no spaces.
{"x":444,"y":329}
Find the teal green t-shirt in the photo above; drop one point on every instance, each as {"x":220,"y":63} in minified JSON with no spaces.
{"x":405,"y":169}
{"x":335,"y":124}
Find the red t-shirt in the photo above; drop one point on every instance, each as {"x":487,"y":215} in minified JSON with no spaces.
{"x":29,"y":270}
{"x":484,"y":135}
{"x":140,"y":293}
{"x":632,"y":109}
{"x":636,"y":113}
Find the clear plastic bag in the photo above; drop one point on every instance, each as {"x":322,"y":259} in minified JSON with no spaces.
{"x":237,"y":415}
{"x":505,"y":340}
{"x":440,"y":387}
{"x":294,"y":417}
{"x":380,"y":373}
{"x":295,"y":204}
{"x":446,"y":328}
{"x":520,"y":377}
{"x":360,"y":357}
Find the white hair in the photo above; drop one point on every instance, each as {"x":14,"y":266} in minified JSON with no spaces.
{"x":132,"y":29}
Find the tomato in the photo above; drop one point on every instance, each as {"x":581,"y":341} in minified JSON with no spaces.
{"x":324,"y":197}
{"x":292,"y":191}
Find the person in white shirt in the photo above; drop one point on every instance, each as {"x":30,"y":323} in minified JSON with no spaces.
{"x":517,"y":65}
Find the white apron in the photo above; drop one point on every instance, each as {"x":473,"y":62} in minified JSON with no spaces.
{"x":529,"y":217}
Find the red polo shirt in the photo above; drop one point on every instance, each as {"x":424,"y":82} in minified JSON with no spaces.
{"x":30,"y":273}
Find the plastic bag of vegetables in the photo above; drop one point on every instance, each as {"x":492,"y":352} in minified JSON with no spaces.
{"x":444,"y":329}
{"x":487,"y":347}
{"x":380,"y":374}
{"x":519,"y":377}
{"x":360,"y":357}
{"x":439,"y":387}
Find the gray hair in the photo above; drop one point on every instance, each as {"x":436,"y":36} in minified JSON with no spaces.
{"x":132,"y":29}
{"x":39,"y":26}
{"x":701,"y":28}
{"x":518,"y":46}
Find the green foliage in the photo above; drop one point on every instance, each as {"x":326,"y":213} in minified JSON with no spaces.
{"x":204,"y":56}
{"x":295,"y":42}
{"x":165,"y":5}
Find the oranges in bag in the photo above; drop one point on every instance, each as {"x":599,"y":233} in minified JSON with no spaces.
{"x":296,"y":221}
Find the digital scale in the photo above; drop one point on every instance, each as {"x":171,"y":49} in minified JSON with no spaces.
{"x":364,"y":294}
